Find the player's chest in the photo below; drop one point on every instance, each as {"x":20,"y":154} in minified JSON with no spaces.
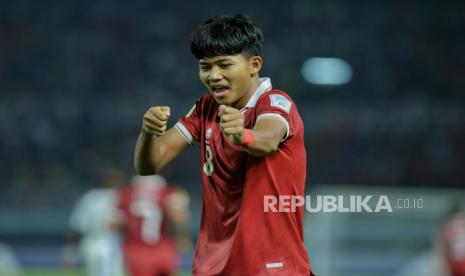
{"x":211,"y":120}
{"x":216,"y":149}
{"x":211,"y":127}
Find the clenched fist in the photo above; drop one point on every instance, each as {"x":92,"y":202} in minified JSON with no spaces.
{"x":155,"y":120}
{"x":231,"y":124}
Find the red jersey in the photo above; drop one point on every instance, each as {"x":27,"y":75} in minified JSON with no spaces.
{"x":236,"y":236}
{"x":453,"y":240}
{"x":147,"y":243}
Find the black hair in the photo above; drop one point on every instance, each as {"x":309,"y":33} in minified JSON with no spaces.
{"x":226,"y":35}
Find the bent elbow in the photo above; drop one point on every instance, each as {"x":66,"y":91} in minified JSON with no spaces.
{"x":145,"y":170}
{"x":264,"y":150}
{"x":271,"y":147}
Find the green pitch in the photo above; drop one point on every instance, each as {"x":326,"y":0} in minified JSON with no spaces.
{"x":44,"y":272}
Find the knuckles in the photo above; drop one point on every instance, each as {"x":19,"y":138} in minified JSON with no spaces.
{"x":157,"y":112}
{"x":154,"y":109}
{"x":232,"y":116}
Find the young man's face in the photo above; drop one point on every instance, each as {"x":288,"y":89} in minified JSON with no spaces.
{"x":230,"y":78}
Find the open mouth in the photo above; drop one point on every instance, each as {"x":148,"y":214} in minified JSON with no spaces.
{"x":220,"y":90}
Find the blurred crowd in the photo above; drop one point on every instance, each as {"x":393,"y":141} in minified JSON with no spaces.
{"x":76,"y":77}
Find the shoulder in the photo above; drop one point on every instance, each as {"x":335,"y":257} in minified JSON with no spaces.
{"x":204,"y":106}
{"x":206,"y":99}
{"x":205,"y":103}
{"x":92,"y":194}
{"x":276,"y":99}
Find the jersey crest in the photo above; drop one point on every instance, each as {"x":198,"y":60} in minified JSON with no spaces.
{"x":281,"y":102}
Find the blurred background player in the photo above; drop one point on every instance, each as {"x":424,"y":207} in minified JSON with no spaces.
{"x":451,"y":240}
{"x":99,"y":246}
{"x":153,"y":219}
{"x":379,"y":85}
{"x":9,"y":264}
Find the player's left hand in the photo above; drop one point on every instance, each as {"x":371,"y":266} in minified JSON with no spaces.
{"x":231,"y":123}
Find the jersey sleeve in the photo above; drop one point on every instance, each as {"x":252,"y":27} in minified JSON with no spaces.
{"x":77,"y":221}
{"x":278,"y":105}
{"x":82,"y":213}
{"x":189,"y":125}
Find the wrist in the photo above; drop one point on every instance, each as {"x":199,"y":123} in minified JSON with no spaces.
{"x":148,"y":134}
{"x":247,"y":138}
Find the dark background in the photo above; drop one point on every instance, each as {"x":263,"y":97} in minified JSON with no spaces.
{"x":77,"y":76}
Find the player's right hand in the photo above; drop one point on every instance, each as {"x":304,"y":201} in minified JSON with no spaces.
{"x":155,"y":120}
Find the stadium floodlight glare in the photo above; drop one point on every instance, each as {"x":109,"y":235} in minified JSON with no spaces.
{"x":326,"y":71}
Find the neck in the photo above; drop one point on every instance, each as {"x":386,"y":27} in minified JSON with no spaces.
{"x":250,"y":90}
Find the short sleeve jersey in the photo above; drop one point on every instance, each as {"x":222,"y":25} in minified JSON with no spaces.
{"x":92,"y":212}
{"x":453,"y":239}
{"x":148,"y":245}
{"x":142,"y":208}
{"x":236,"y":236}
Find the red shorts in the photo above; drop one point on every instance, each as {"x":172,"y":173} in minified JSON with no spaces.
{"x":150,"y":261}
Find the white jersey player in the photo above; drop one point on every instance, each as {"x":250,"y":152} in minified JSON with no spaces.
{"x":99,"y":246}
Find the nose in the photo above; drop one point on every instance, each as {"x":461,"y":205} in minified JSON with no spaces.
{"x":215,"y":74}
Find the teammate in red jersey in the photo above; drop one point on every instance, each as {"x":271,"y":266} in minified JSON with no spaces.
{"x":451,"y":241}
{"x":252,"y":145}
{"x":152,"y":217}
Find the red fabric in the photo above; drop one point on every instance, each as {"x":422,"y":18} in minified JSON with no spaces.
{"x":453,"y":240}
{"x":236,"y":237}
{"x":144,"y":261}
{"x":147,"y":244}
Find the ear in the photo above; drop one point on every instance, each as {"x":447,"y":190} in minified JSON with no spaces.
{"x":255,"y":64}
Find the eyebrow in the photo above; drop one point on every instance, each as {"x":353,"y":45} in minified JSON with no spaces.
{"x":203,"y":62}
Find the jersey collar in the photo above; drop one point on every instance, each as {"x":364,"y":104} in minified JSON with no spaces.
{"x":265,"y":85}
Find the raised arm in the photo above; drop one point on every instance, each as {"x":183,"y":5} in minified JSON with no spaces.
{"x":155,"y":146}
{"x":266,"y":134}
